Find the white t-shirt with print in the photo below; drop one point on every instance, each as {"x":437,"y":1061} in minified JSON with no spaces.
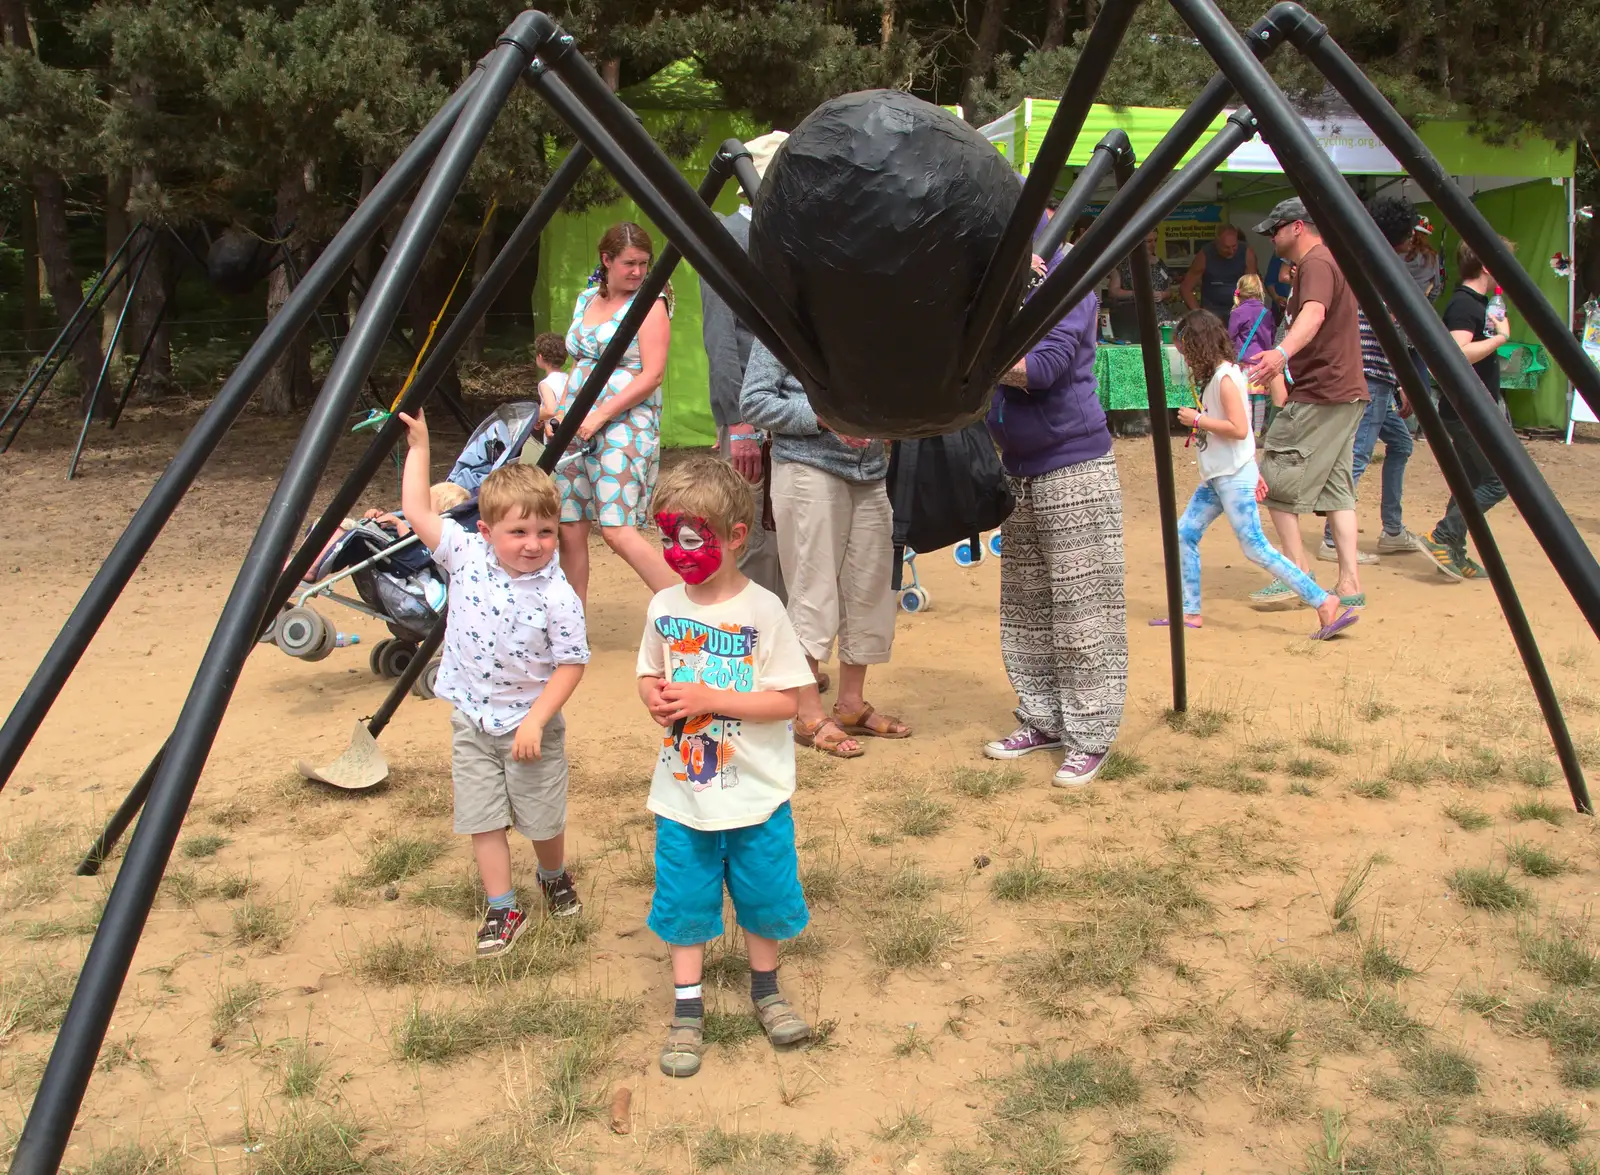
{"x":715,"y":772}
{"x":1218,"y":456}
{"x":506,"y":633}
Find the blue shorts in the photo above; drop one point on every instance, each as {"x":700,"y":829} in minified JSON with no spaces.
{"x":758,"y":864}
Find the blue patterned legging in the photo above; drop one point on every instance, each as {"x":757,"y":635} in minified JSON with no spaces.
{"x":1235,"y":496}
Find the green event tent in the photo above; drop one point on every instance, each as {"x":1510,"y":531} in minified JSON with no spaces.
{"x":677,"y":94}
{"x":1524,"y":188}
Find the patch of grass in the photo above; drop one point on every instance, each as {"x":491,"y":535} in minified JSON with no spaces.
{"x":1305,"y":767}
{"x":1374,"y":709}
{"x":260,"y":924}
{"x":430,"y":797}
{"x":1537,"y":808}
{"x":446,"y":1033}
{"x":114,"y":1054}
{"x":204,"y":844}
{"x":912,"y":938}
{"x":762,"y":1152}
{"x":1559,"y":957}
{"x":920,"y":814}
{"x":1315,"y":979}
{"x":1534,"y":770}
{"x":394,"y":857}
{"x":34,"y":997}
{"x":906,"y":1126}
{"x":234,"y":1002}
{"x":1344,"y":902}
{"x":1060,"y":1085}
{"x":1330,"y":739}
{"x":1441,"y":1071}
{"x":130,"y":1159}
{"x":1408,"y":768}
{"x":977,"y":783}
{"x":1468,"y":817}
{"x":401,"y":959}
{"x":312,"y":1141}
{"x":1490,"y":1005}
{"x":725,"y":965}
{"x":1487,"y":889}
{"x":233,"y":813}
{"x":1383,"y":1016}
{"x":1026,"y":881}
{"x":1478,"y":766}
{"x":1372,"y":789}
{"x":184,"y":887}
{"x":1379,"y":963}
{"x":303,"y":1069}
{"x":829,"y":1159}
{"x":1301,"y":788}
{"x":1120,"y":764}
{"x":348,"y":892}
{"x":1551,"y":1126}
{"x":911,"y":1043}
{"x":232,"y":886}
{"x":1570,"y":1022}
{"x":906,"y":882}
{"x":1580,"y":1072}
{"x":640,"y":871}
{"x":461,"y":896}
{"x":823,"y":879}
{"x":1536,"y":861}
{"x":1145,"y":1152}
{"x":85,"y":919}
{"x":730,"y":1028}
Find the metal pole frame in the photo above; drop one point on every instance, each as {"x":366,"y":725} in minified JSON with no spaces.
{"x":1455,"y":475}
{"x":147,"y":522}
{"x":138,"y":365}
{"x":1102,"y":163}
{"x":110,"y":350}
{"x":66,"y":1077}
{"x":1296,"y":149}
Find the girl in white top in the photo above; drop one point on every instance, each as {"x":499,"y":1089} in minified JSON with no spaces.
{"x":1225,"y":449}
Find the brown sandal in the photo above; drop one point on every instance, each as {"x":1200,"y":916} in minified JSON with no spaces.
{"x":823,"y":682}
{"x":871,"y":724}
{"x":818,"y":738}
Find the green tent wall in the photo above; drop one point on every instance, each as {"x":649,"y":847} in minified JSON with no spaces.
{"x":567,"y":249}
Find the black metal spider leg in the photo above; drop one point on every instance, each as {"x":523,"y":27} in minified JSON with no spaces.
{"x":587,"y":105}
{"x":49,"y":1124}
{"x":110,"y":352}
{"x":1295,"y":148}
{"x":138,"y":364}
{"x":1155,"y":382}
{"x":130,"y":549}
{"x":1011,"y":255}
{"x":1311,"y":37}
{"x":1455,"y":475}
{"x":1102,"y":162}
{"x":449,"y":344}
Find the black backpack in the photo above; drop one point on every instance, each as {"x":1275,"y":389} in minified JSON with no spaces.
{"x":946,"y":489}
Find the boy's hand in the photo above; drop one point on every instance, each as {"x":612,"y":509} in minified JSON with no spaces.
{"x":416,"y":430}
{"x":687,"y":699}
{"x":657,"y":705}
{"x":529,"y":735}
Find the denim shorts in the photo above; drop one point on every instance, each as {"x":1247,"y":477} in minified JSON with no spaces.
{"x":758,"y":865}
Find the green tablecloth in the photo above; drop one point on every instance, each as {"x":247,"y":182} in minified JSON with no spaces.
{"x":1119,"y":374}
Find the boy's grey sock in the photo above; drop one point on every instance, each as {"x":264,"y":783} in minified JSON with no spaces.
{"x":549,"y":875}
{"x":763,"y":984}
{"x":688,"y":1001}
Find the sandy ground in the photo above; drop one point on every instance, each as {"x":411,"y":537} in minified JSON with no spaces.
{"x":1156,"y":974}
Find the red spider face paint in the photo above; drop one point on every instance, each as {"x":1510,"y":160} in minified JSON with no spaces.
{"x":690,"y":546}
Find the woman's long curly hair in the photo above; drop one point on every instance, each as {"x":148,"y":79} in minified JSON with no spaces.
{"x":1204,"y":343}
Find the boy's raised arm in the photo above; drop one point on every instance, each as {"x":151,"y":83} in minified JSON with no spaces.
{"x":415,"y":501}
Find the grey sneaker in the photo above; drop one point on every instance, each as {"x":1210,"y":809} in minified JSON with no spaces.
{"x":1328,"y":555}
{"x":1078,"y":769}
{"x":1404,"y":543}
{"x":1024,"y":740}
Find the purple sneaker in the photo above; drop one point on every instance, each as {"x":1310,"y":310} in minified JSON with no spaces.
{"x":1078,"y":768}
{"x":1024,"y":740}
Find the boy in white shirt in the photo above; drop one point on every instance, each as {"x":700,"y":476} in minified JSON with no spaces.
{"x":514,"y":650}
{"x":720,"y":668}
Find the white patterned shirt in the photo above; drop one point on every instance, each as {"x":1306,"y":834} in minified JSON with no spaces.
{"x":506,"y":633}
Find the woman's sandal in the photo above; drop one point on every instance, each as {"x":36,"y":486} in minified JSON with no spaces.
{"x":782,"y":1024}
{"x":818,"y":738}
{"x":685,"y":1043}
{"x":871,"y":724}
{"x":823,"y":682}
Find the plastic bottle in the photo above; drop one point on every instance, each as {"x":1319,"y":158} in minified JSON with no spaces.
{"x":1497,"y":305}
{"x":345,"y":639}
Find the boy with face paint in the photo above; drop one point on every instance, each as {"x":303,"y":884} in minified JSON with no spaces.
{"x":720,"y":669}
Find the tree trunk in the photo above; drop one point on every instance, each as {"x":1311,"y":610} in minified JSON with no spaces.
{"x":611,"y":73}
{"x":30,"y":268}
{"x":886,"y":25}
{"x":1055,"y":25}
{"x":288,"y":384}
{"x":156,"y":286}
{"x":117,"y":225}
{"x":481,"y":260}
{"x":984,"y":48}
{"x":14,"y":19}
{"x":66,"y":291}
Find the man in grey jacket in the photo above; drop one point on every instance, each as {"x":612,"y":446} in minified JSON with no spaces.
{"x":836,"y":545}
{"x":727,"y":343}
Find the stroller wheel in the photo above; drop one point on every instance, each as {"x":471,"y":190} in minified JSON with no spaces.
{"x":914,"y":599}
{"x":424,"y":686}
{"x":330,"y":642}
{"x":396,"y":657}
{"x":302,"y":633}
{"x":269,"y":636}
{"x":994,"y":544}
{"x":375,"y":658}
{"x":963,"y":554}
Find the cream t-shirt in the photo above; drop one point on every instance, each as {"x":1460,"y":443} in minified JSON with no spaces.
{"x":1218,"y":456}
{"x":714,"y":772}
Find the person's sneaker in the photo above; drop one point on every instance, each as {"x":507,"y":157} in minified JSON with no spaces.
{"x":782,"y":1024}
{"x":1024,"y":740}
{"x":1469,"y":569}
{"x":1443,"y":558}
{"x":685,"y":1043}
{"x":499,"y":932}
{"x":1078,"y":769}
{"x":561,"y":897}
{"x":1274,"y":596}
{"x":1404,"y":543}
{"x":1328,"y":554}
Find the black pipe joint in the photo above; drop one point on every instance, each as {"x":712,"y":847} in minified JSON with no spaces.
{"x":536,"y":34}
{"x":1293,"y":23}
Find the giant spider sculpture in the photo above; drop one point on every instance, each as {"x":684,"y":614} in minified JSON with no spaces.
{"x":823,"y":276}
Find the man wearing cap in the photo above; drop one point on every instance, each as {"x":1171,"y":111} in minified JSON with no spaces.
{"x":1309,"y":448}
{"x":727,"y":342}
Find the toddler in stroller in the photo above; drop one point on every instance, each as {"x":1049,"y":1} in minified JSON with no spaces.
{"x":394,"y":578}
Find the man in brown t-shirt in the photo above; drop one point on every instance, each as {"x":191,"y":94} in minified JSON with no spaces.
{"x":1307,"y":453}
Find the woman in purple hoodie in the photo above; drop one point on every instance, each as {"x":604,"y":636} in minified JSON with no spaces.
{"x":1063,"y":625}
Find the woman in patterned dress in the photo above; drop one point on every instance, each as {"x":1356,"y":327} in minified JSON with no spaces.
{"x":609,"y":473}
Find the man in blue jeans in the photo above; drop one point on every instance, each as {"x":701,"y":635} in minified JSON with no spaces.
{"x":1396,"y":218}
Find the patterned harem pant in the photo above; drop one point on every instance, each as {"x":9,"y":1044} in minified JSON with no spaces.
{"x":1063,"y":623}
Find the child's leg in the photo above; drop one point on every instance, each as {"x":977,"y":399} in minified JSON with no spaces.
{"x":1202,"y":511}
{"x":493,"y":854}
{"x":1238,"y":497}
{"x":538,"y":792}
{"x":764,"y":882}
{"x":686,"y":911}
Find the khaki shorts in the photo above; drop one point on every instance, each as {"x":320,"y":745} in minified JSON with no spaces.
{"x":1306,"y":457}
{"x":494,"y":791}
{"x":836,"y":544}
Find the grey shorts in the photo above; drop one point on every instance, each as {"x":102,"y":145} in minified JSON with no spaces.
{"x":495,"y":791}
{"x":1306,"y":457}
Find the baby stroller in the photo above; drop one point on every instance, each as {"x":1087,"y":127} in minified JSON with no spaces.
{"x":394,"y":577}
